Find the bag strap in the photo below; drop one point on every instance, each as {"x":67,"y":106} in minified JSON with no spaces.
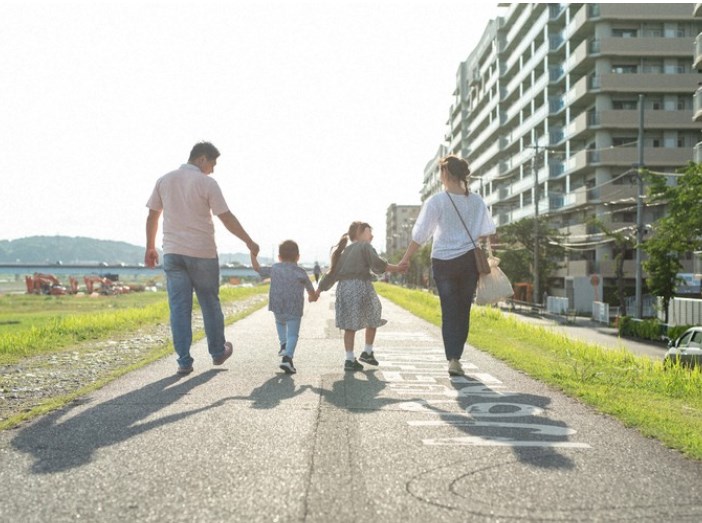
{"x":461,"y":218}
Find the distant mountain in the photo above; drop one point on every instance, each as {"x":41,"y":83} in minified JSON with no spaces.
{"x":77,"y":250}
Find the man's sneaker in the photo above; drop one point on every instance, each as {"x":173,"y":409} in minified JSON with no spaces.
{"x":282,"y":350}
{"x":184,"y":371}
{"x":352,"y":365}
{"x":368,"y":358}
{"x":287,"y":365}
{"x":228,"y":349}
{"x":455,"y":368}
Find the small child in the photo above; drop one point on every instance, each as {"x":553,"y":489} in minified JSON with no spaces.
{"x":357,"y":304}
{"x":286,"y":298}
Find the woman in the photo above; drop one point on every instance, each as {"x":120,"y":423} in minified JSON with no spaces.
{"x":452,"y":259}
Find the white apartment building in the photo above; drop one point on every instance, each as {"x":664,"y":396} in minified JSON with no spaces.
{"x":399,"y":220}
{"x":546,"y":113}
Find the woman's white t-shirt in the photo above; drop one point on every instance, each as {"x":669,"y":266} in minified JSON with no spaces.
{"x":438,"y":220}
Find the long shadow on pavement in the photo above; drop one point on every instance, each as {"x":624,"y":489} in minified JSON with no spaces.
{"x":509,"y":418}
{"x":59,"y":444}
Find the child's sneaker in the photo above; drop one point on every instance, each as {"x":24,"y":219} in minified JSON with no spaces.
{"x":369,"y":358}
{"x":352,"y":365}
{"x":287,"y":365}
{"x":282,"y":350}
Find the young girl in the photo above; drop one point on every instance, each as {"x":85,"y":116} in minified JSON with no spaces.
{"x":357,"y":304}
{"x":286,"y":298}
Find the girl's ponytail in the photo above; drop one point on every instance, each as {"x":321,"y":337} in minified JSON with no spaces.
{"x":354,"y":229}
{"x":337,"y":252}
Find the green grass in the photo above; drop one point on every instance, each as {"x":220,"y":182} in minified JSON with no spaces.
{"x":158,"y":351}
{"x":663,"y":404}
{"x":33,"y":325}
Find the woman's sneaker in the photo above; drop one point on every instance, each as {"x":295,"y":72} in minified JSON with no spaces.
{"x":455,"y":368}
{"x":369,"y":358}
{"x":287,"y":365}
{"x":352,"y":365}
{"x":282,"y":350}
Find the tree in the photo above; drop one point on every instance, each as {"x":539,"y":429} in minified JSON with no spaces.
{"x":679,"y":232}
{"x":623,"y":242}
{"x":516,"y":250}
{"x":662,"y":266}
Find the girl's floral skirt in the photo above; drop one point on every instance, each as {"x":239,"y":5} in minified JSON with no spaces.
{"x":357,"y":305}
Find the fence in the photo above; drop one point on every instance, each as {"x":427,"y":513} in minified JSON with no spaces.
{"x":603,"y":312}
{"x":556,"y":305}
{"x":684,"y":311}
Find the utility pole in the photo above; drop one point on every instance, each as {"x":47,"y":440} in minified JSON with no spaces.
{"x":639,"y":209}
{"x":535,"y":168}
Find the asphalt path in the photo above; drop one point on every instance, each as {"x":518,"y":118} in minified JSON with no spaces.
{"x":401,"y":442}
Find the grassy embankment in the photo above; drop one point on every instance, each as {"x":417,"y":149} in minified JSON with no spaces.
{"x":40,"y":324}
{"x":35,"y":325}
{"x":662,"y":404}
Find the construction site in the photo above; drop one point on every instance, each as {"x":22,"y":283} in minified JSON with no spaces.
{"x":106,"y":285}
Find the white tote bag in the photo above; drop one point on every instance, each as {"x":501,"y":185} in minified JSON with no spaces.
{"x":495,"y":286}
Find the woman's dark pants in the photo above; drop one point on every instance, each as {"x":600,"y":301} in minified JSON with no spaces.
{"x":456,"y":280}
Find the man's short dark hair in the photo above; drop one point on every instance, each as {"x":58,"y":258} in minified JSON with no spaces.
{"x":206,"y":148}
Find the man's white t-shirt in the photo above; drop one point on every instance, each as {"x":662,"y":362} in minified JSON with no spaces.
{"x":188,"y":199}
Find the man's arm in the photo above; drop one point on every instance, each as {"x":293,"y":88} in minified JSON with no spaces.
{"x":233,"y":226}
{"x":151,"y":255}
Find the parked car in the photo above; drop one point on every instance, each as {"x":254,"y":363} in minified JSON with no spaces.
{"x":687,"y":349}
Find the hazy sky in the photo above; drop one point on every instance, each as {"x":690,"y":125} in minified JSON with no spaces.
{"x":324,"y":111}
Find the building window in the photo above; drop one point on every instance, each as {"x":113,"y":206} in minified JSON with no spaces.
{"x":652,"y":66}
{"x":653,"y":30}
{"x":622,"y":141}
{"x":625,"y":105}
{"x":625,"y":69}
{"x":624,"y":32}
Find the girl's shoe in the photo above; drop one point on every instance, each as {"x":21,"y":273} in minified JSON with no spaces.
{"x":369,"y":358}
{"x":455,"y":368}
{"x":352,"y":365}
{"x":282,"y":350}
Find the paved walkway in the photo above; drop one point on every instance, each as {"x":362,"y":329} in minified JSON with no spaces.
{"x":402,"y":442}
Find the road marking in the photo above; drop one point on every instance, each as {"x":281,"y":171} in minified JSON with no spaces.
{"x":418,"y":375}
{"x":478,"y":441}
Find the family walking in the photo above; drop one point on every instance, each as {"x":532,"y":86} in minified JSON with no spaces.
{"x":188,"y":198}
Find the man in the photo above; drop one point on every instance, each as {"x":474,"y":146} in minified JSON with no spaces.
{"x":188,"y":197}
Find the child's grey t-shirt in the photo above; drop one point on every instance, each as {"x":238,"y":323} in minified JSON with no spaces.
{"x":288,"y":284}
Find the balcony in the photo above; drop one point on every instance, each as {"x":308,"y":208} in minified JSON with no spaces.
{"x":645,"y":46}
{"x":697,"y":101}
{"x":576,"y":198}
{"x":653,"y":83}
{"x":608,"y":268}
{"x":697,"y":63}
{"x":574,"y":269}
{"x":628,"y":156}
{"x":629,"y":119}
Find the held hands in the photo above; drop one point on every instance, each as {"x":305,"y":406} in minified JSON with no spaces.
{"x":254,"y":248}
{"x":254,"y":262}
{"x":397,"y":268}
{"x":312,"y":296}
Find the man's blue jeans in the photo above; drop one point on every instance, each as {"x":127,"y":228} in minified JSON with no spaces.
{"x":456,"y":281}
{"x":183,"y":275}
{"x":288,"y":328}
